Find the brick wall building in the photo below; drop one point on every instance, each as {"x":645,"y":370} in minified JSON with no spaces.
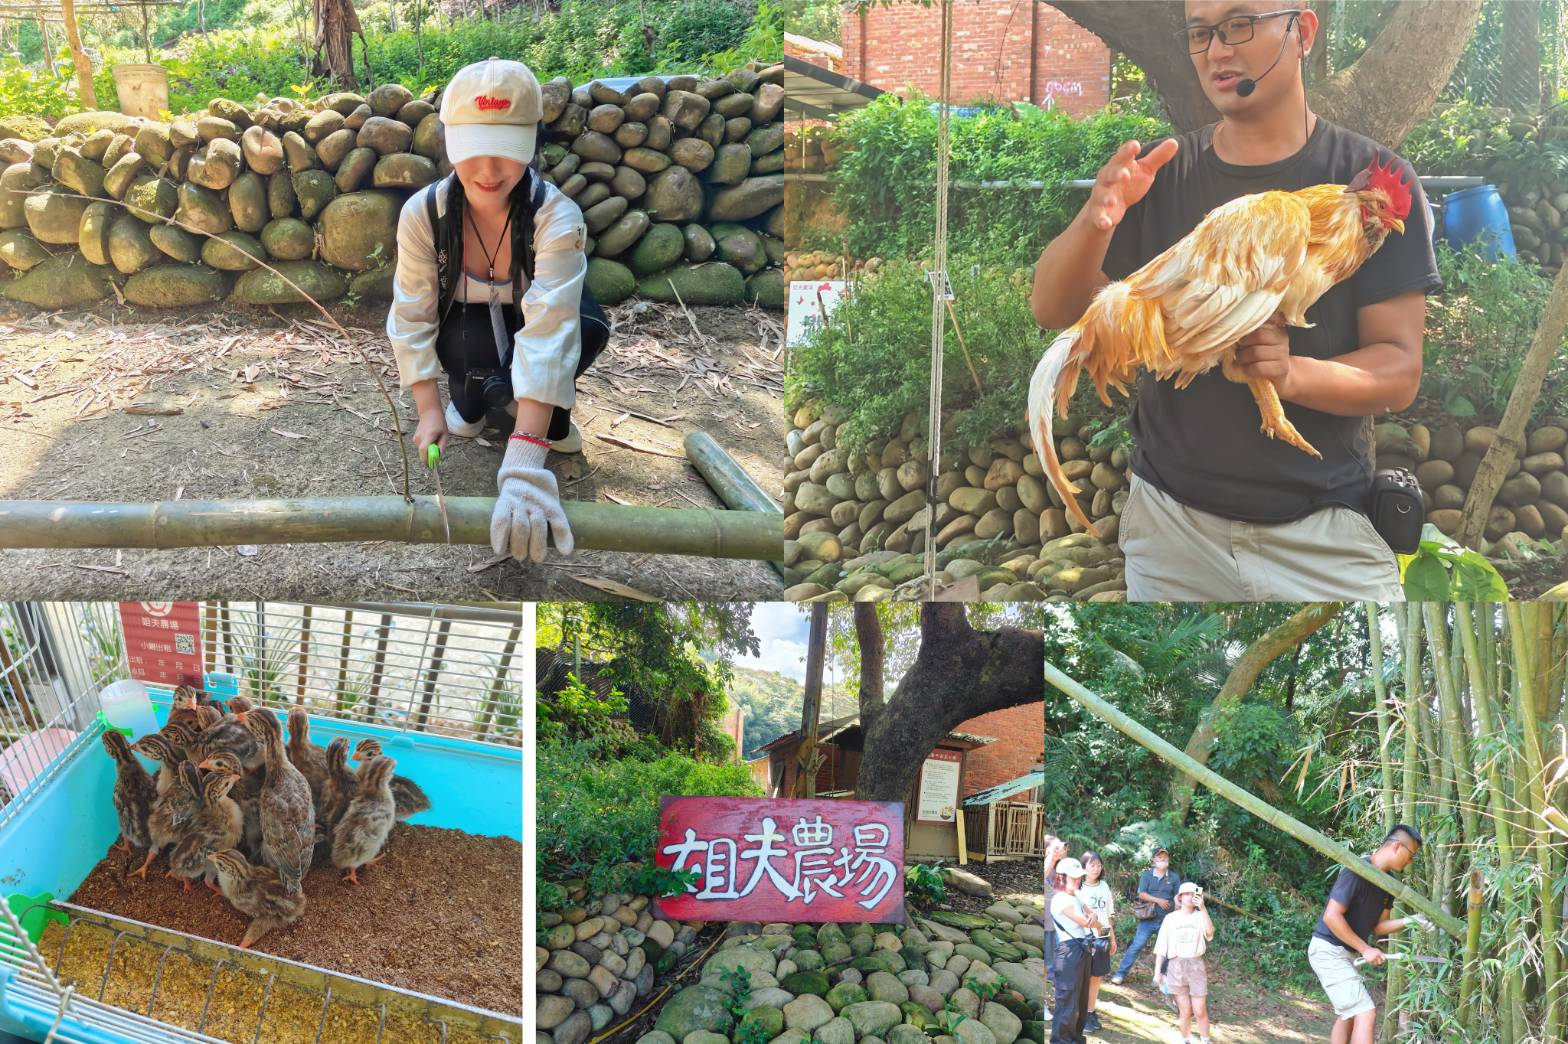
{"x":1020,"y":741}
{"x":1003,"y":50}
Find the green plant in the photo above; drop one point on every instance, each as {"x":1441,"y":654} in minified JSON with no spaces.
{"x":577,"y":712}
{"x":1443,"y":571}
{"x":986,"y":990}
{"x":659,"y":881}
{"x":550,"y":896}
{"x":596,"y":814}
{"x":924,"y":884}
{"x":1478,"y":333}
{"x":737,"y":980}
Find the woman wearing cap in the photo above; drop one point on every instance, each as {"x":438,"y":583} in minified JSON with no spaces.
{"x":1178,"y":959}
{"x":489,"y":289}
{"x":1097,"y":896}
{"x":1075,"y":925}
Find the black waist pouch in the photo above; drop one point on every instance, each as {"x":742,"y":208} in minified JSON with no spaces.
{"x":1396,"y":510}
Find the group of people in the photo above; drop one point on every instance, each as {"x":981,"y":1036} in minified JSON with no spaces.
{"x":1080,"y":934}
{"x":1080,"y":938}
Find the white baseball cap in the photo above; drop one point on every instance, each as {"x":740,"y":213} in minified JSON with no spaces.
{"x":1071,"y":868}
{"x":492,"y":108}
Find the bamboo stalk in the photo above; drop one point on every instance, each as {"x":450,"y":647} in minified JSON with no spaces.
{"x":1467,"y":1013}
{"x":1108,"y":713}
{"x":1456,"y":747}
{"x":723,"y":472}
{"x":203,"y":523}
{"x":1375,"y":642}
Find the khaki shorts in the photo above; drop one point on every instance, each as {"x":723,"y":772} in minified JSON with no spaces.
{"x":1187,"y":975}
{"x":1337,"y":972}
{"x":1177,"y":553}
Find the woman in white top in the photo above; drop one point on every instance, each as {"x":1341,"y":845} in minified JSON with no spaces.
{"x":489,"y":289}
{"x":1075,"y":924}
{"x":1178,"y":959}
{"x":1096,"y":895}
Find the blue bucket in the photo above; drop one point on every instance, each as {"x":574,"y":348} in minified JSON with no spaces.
{"x":1478,"y":215}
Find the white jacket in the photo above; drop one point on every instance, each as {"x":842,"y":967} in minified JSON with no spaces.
{"x":546,"y":347}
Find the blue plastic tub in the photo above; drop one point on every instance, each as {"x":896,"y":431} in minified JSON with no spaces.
{"x":1478,"y":215}
{"x":53,"y":843}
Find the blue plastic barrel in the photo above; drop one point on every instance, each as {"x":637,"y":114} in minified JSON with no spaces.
{"x":1478,"y":215}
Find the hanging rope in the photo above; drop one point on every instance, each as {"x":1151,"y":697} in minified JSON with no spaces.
{"x":940,"y":289}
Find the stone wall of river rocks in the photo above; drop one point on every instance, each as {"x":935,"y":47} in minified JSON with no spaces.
{"x":681,"y":184}
{"x":957,"y":978}
{"x":855,"y":521}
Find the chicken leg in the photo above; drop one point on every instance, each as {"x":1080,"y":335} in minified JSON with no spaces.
{"x":1275,"y":424}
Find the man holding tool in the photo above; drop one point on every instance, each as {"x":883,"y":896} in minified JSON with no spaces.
{"x":1357,"y":909}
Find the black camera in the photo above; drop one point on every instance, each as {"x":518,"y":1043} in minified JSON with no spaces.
{"x":493,"y":386}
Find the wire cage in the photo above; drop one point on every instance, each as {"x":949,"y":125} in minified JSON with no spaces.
{"x":440,"y":687}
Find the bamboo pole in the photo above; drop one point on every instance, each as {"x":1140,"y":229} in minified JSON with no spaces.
{"x":1467,"y":1010}
{"x":723,"y":472}
{"x":1457,"y":748}
{"x":84,"y":68}
{"x":200,"y":523}
{"x":1108,"y":713}
{"x":1375,"y":642}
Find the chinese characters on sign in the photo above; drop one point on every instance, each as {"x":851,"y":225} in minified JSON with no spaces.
{"x":811,"y":302}
{"x":758,"y":859}
{"x":939,"y":787}
{"x":163,"y":642}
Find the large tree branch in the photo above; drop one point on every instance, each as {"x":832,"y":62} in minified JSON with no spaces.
{"x":1268,"y":648}
{"x":1383,"y":94}
{"x":958,"y":674}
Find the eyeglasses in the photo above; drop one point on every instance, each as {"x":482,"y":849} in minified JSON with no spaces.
{"x":1237,"y":30}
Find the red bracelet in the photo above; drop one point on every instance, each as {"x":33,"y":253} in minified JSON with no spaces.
{"x":533,"y":439}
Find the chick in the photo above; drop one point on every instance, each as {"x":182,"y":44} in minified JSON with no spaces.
{"x":362,"y":832}
{"x":411,"y":800}
{"x":171,"y":811}
{"x":308,"y":757}
{"x":135,"y":793}
{"x":158,"y":747}
{"x":338,"y":789}
{"x":257,"y":891}
{"x":288,"y":818}
{"x":246,"y":794}
{"x":192,"y":707}
{"x":215,"y":826}
{"x":229,"y":734}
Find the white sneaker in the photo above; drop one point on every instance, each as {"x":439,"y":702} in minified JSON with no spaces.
{"x":458,"y":426}
{"x":573,"y":443}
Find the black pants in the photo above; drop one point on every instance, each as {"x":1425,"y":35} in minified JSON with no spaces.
{"x":1072,"y":992}
{"x":466,"y":347}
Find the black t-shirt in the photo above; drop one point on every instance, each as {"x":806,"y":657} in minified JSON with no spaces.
{"x":1202,"y":445}
{"x":1364,"y":904}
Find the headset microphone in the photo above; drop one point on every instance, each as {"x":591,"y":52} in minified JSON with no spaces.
{"x":1245,"y":88}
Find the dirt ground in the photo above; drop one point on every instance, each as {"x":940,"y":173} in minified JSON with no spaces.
{"x":1239,"y":1012}
{"x":121,"y":405}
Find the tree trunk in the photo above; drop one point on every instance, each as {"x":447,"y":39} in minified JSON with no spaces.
{"x":84,"y":68}
{"x":807,"y":759}
{"x":958,"y":674}
{"x":1521,"y":401}
{"x":1383,"y":94}
{"x":336,"y":25}
{"x":1520,"y":89}
{"x":1259,"y":655}
{"x":1104,"y":710}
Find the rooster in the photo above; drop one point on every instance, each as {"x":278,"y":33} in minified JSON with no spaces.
{"x":1258,"y":259}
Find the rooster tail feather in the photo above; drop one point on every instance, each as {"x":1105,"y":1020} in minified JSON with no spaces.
{"x":1055,"y":377}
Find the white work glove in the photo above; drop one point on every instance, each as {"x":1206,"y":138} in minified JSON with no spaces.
{"x":1418,"y":921}
{"x":528,"y":506}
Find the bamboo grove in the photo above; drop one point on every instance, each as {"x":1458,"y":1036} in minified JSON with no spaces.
{"x":1463,"y":731}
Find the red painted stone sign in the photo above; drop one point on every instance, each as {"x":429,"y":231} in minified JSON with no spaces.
{"x":163,"y":642}
{"x":762,"y":859}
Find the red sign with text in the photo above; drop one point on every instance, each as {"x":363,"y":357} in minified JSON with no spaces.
{"x":163,"y":642}
{"x":762,"y":859}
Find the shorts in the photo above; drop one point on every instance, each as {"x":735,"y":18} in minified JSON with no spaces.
{"x":1187,"y":975}
{"x":1177,"y":553}
{"x":1337,"y":972}
{"x":1099,"y":961}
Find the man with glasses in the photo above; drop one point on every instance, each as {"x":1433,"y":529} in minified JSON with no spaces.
{"x":1357,"y":909}
{"x":1217,"y":510}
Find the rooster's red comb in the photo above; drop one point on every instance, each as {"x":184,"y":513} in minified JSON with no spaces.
{"x":1389,"y":180}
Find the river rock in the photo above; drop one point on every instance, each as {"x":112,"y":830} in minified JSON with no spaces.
{"x":63,"y":281}
{"x":321,"y":282}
